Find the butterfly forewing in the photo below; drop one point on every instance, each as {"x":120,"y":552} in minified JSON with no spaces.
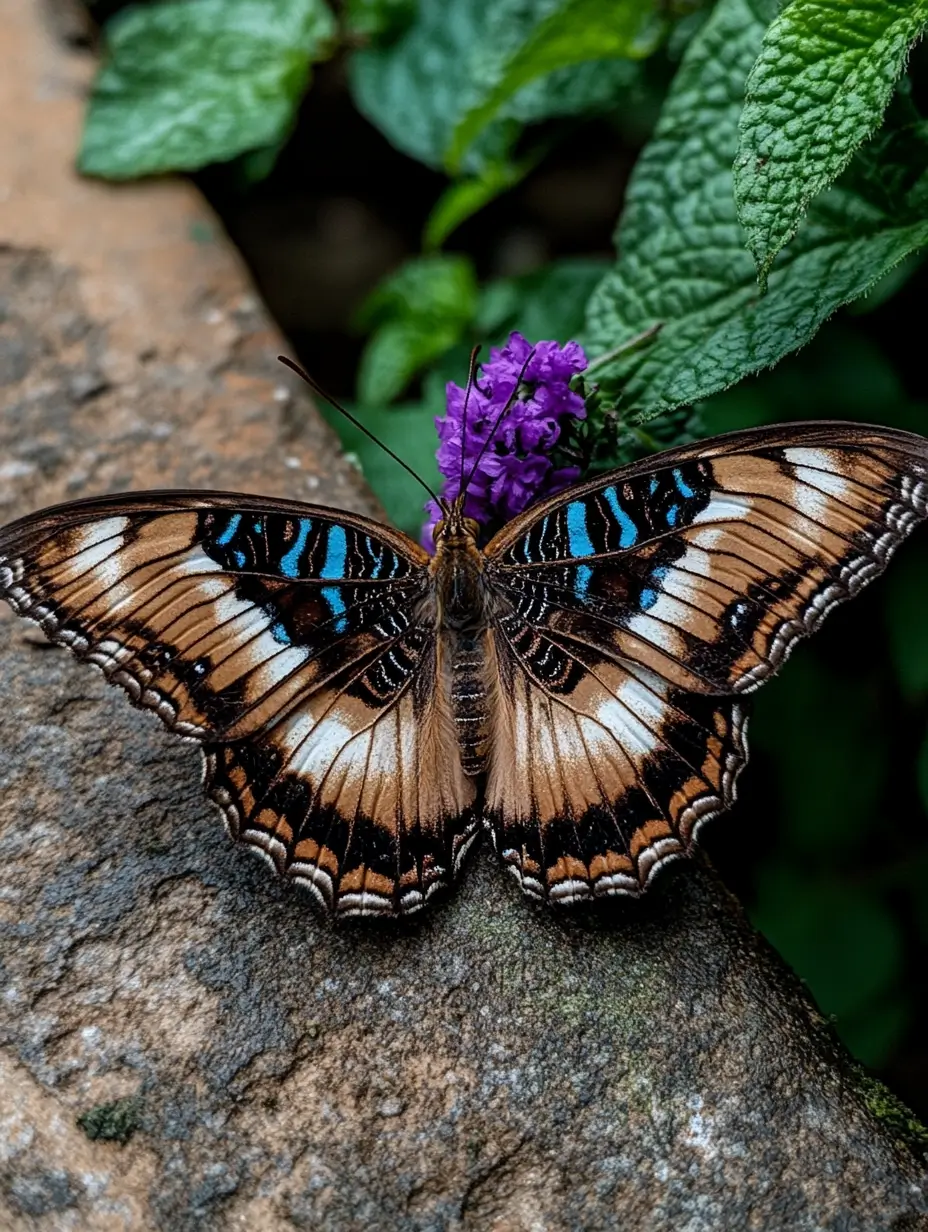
{"x":297,"y":645}
{"x":631,"y":610}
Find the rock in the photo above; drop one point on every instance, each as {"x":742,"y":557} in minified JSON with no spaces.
{"x":183,"y":1042}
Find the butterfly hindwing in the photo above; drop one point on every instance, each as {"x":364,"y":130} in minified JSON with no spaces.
{"x":295,"y":644}
{"x":359,"y":793}
{"x":600,"y":773}
{"x":632,"y":611}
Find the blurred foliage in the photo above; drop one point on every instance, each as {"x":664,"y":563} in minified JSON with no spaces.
{"x":827,"y":201}
{"x":416,"y":315}
{"x":378,"y":19}
{"x":408,"y":429}
{"x":465,"y":77}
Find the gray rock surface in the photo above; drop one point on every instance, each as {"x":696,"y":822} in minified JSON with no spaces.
{"x":183,"y":1042}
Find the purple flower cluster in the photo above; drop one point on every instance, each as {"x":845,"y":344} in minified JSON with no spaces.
{"x":516,"y":469}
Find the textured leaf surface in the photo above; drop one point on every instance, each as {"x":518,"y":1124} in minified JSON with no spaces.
{"x":200,"y":81}
{"x":682,"y":259}
{"x":819,"y":88}
{"x":420,"y":89}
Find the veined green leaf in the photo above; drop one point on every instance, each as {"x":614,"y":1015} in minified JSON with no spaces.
{"x":682,"y":258}
{"x":821,"y":83}
{"x":199,"y":81}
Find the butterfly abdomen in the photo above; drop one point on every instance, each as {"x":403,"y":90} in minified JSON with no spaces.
{"x":461,"y":596}
{"x":470,"y":702}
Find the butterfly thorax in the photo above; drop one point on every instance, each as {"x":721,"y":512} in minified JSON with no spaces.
{"x":461,"y":618}
{"x":457,"y":568}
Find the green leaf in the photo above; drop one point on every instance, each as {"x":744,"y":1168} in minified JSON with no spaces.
{"x":256,"y":165}
{"x":682,"y":257}
{"x":819,"y":88}
{"x":409,"y":430}
{"x":433,"y":286}
{"x":583,"y":89}
{"x":200,"y":81}
{"x":526,"y":41}
{"x":396,"y":352}
{"x":842,"y":374}
{"x":416,"y":313}
{"x":411,"y":89}
{"x":378,"y":19}
{"x":577,"y":89}
{"x":419,"y":90}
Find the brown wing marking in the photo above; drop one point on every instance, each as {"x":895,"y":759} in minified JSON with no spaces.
{"x":369,"y":809}
{"x":818,"y":524}
{"x":331,"y":752}
{"x":592,"y":789}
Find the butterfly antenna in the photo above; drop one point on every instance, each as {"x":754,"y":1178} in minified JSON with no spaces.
{"x":471,"y":382}
{"x":317,"y":388}
{"x":510,"y":403}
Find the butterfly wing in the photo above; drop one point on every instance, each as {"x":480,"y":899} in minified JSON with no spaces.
{"x":297,"y":645}
{"x":634,"y":610}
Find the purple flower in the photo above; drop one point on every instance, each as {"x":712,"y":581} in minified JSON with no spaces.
{"x":516,"y":469}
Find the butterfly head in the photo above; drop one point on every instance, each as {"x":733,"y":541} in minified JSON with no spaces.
{"x":454,"y":530}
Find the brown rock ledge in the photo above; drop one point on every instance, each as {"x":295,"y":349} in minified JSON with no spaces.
{"x":490,"y":1066}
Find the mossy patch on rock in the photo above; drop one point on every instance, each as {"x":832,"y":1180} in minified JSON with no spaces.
{"x":893,"y":1113}
{"x":113,"y":1122}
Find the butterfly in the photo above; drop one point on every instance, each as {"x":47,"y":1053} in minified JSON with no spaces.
{"x":575,"y":686}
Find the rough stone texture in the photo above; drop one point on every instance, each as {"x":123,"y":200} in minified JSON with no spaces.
{"x":489,"y":1066}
